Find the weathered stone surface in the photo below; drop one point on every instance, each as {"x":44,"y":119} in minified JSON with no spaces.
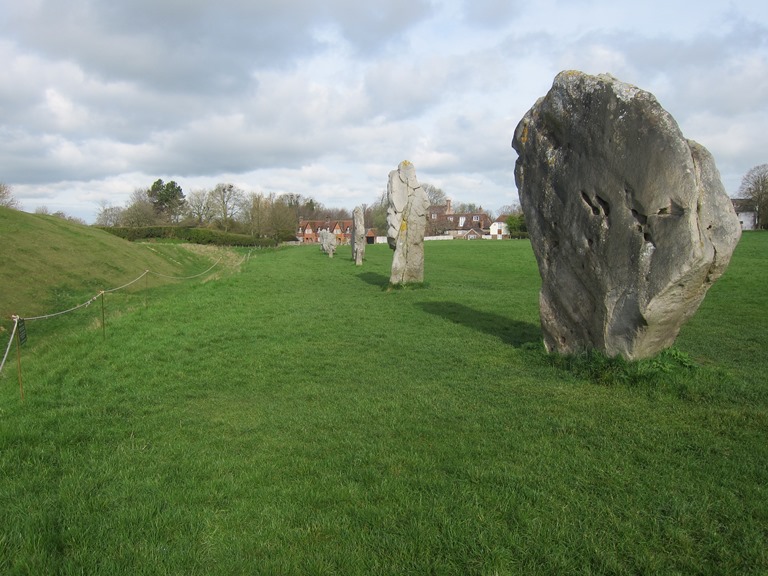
{"x":358,"y":235}
{"x":327,"y":242}
{"x":629,"y":221}
{"x":406,"y":222}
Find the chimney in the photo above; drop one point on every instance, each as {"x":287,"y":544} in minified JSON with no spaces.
{"x":448,"y":207}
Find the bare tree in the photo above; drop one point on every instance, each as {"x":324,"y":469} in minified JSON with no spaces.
{"x":254,"y":214}
{"x":7,"y":199}
{"x":754,"y":185}
{"x":377,"y":214}
{"x":198,"y":206}
{"x":108,"y":215}
{"x":226,"y":203}
{"x":338,"y":214}
{"x":509,"y":209}
{"x":435,"y":195}
{"x":139,"y":210}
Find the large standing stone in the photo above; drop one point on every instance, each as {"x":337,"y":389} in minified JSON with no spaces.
{"x":358,"y":235}
{"x":629,"y":221}
{"x":406,"y":222}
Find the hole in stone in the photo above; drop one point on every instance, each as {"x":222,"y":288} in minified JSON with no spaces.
{"x":647,"y":237}
{"x":588,"y":202}
{"x":590,"y":242}
{"x":604,"y":205}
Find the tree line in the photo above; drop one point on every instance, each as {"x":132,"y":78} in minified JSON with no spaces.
{"x":225,"y":207}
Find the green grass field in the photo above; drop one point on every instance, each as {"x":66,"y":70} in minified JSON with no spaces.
{"x":295,"y":417}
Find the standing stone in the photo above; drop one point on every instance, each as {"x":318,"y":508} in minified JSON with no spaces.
{"x":629,"y":221}
{"x":358,"y":236}
{"x":406,"y":223}
{"x":327,"y":242}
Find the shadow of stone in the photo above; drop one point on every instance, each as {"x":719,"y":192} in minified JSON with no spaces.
{"x":374,"y":279}
{"x":512,"y":332}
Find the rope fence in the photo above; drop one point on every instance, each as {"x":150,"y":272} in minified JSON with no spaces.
{"x":18,"y":321}
{"x":8,"y":348}
{"x":184,"y":277}
{"x":129,"y":283}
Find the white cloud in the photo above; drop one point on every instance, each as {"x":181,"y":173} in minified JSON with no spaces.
{"x":324,"y":99}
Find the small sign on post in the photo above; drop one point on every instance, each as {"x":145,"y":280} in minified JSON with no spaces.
{"x":21,"y":331}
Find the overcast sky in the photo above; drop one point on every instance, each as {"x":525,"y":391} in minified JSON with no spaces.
{"x":325,"y":97}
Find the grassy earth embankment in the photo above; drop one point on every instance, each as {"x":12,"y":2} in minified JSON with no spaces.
{"x":48,"y":264}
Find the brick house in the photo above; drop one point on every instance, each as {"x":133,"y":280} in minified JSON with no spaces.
{"x":309,"y":230}
{"x":442,"y":220}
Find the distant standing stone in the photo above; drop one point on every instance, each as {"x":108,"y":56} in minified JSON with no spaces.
{"x":629,"y":221}
{"x":358,"y":235}
{"x":327,"y":242}
{"x":406,"y":223}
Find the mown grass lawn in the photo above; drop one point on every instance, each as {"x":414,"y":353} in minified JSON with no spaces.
{"x":298,"y":418}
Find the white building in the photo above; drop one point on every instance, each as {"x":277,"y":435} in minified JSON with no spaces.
{"x":499,"y":228}
{"x":746,"y":210}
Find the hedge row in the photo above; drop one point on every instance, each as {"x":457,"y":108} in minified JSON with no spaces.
{"x":188,"y":234}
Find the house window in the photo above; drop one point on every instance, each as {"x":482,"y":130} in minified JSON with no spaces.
{"x":450,"y":218}
{"x":476,"y":218}
{"x":434,"y":216}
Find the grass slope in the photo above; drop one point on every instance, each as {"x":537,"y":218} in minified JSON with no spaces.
{"x":48,"y":264}
{"x":297,"y":418}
